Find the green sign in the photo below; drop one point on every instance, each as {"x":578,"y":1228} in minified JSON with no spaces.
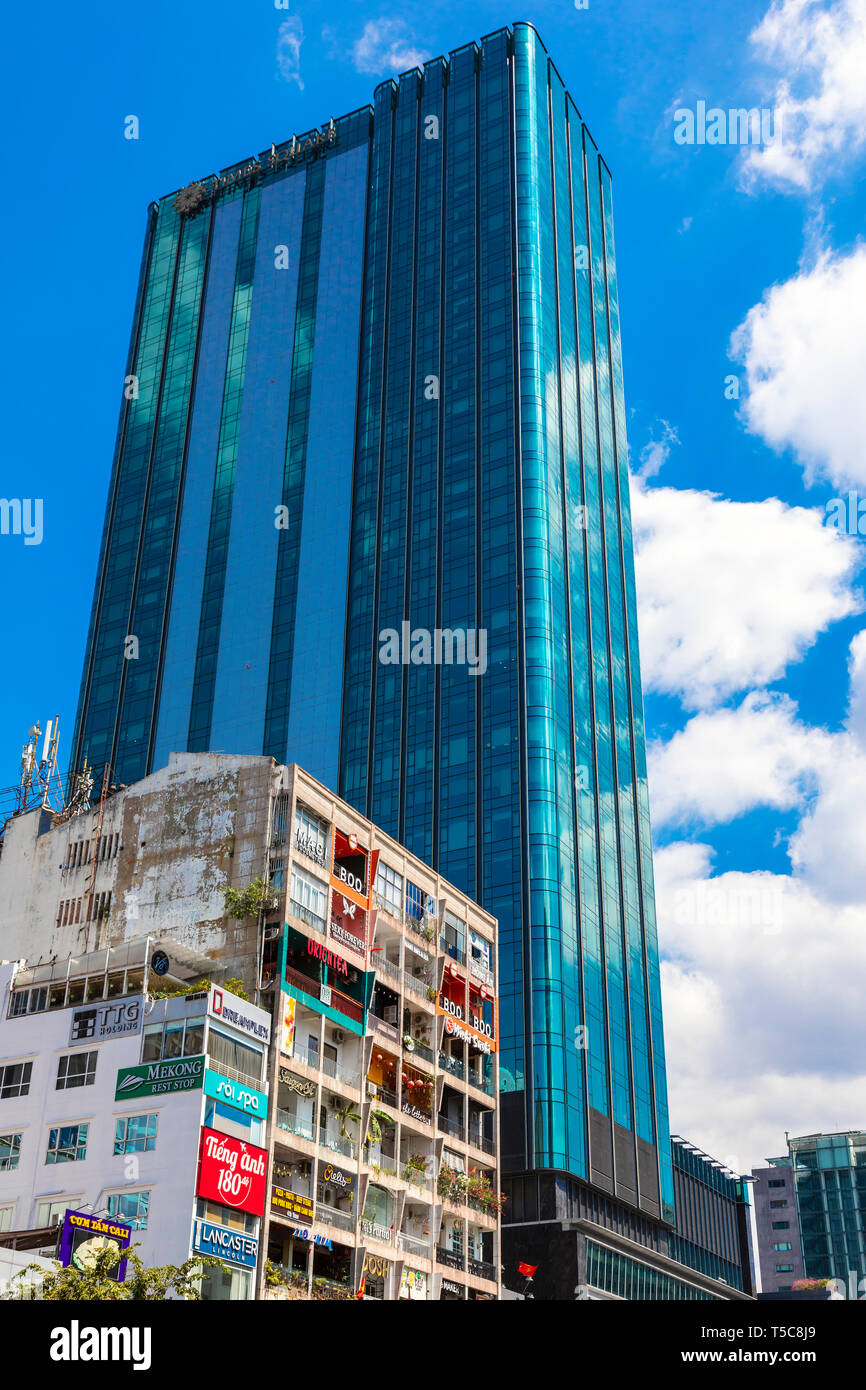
{"x":160,"y":1078}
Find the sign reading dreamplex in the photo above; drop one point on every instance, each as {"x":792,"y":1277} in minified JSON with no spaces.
{"x":98,"y":1022}
{"x":237,"y":1013}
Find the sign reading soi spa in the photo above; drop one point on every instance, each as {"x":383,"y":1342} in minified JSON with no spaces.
{"x":232,"y":1172}
{"x":236,"y":1093}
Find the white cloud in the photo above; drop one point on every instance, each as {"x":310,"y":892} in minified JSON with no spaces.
{"x":725,"y":763}
{"x":763,"y":984}
{"x":656,"y":452}
{"x":730,"y":593}
{"x":386,"y":46}
{"x":818,"y":52}
{"x":290,"y":38}
{"x":804,"y":350}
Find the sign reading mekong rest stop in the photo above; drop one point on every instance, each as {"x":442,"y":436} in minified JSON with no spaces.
{"x":232,"y":1172}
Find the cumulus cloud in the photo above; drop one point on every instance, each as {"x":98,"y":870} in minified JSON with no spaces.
{"x":764,"y":973}
{"x":818,"y":55}
{"x":763,"y":983}
{"x":725,"y":763}
{"x":656,"y":452}
{"x":730,"y":593}
{"x":289,"y":40}
{"x":386,"y":46}
{"x":804,"y":350}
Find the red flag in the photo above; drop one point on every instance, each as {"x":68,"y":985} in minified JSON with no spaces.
{"x":360,"y":1293}
{"x":528,"y":1270}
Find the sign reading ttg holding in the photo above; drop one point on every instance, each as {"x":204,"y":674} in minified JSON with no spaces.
{"x":99,"y":1022}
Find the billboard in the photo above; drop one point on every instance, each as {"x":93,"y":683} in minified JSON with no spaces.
{"x":238,"y":1094}
{"x":102,"y":1021}
{"x":85,"y":1235}
{"x":232,"y":1172}
{"x":348,"y":924}
{"x":160,"y":1078}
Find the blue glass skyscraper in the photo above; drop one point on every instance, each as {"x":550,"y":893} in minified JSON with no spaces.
{"x":375,"y":386}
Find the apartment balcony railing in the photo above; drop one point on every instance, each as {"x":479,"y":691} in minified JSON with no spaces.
{"x":344,"y":1220}
{"x":330,"y":1068}
{"x":480,"y":1082}
{"x":454,"y":1259}
{"x":341,"y":1002}
{"x":387,"y":967}
{"x":481,"y":1269}
{"x":453,"y":1127}
{"x":419,"y":984}
{"x":338,"y":1144}
{"x":303,"y":1128}
{"x":414,"y":1245}
{"x":298,"y":910}
{"x":385,"y":1095}
{"x":419,"y":1049}
{"x":424,"y":927}
{"x":481,"y":1143}
{"x":452,"y":1064}
{"x":390,"y":910}
{"x":482,"y":972}
{"x":234,"y":1075}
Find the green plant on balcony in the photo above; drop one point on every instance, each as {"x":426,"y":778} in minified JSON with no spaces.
{"x":431,"y":993}
{"x":374,"y":1125}
{"x":415,"y":1169}
{"x":482,"y":1194}
{"x":451,"y":1184}
{"x":258,"y":896}
{"x":347,"y":1116}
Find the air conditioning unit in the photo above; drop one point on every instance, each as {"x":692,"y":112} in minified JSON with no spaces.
{"x":335,"y":1102}
{"x":338,"y":1035}
{"x":391,"y":1013}
{"x":372,"y":1089}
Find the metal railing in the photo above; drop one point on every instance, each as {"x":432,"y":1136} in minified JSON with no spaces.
{"x":338,"y":1143}
{"x":453,"y":1127}
{"x":388,"y":967}
{"x":415,"y":1245}
{"x":419,"y":984}
{"x":454,"y":1259}
{"x":233,"y":1074}
{"x":294,"y":1125}
{"x":452,"y":1064}
{"x":481,"y":1269}
{"x":298,"y":910}
{"x":344,"y":1220}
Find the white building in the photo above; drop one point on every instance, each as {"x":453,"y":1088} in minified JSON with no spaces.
{"x":107,"y":1094}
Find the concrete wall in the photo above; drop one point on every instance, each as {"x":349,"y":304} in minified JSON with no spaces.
{"x":181,"y":834}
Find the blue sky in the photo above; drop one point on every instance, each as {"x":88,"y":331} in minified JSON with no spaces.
{"x":749,"y":605}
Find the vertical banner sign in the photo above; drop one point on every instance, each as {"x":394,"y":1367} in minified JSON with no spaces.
{"x":287,"y":1023}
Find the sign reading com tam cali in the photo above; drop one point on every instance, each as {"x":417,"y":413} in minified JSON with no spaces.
{"x":237,"y":1013}
{"x":232,"y":1172}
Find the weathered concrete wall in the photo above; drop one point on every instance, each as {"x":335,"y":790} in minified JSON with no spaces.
{"x":182,"y":833}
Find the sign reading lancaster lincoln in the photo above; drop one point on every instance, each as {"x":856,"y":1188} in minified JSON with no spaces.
{"x":232,"y":1172}
{"x":228,"y":1008}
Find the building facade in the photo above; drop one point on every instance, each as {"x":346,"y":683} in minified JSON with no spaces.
{"x":362,"y":1076}
{"x":713,"y":1231}
{"x":818,"y":1189}
{"x":379,"y":369}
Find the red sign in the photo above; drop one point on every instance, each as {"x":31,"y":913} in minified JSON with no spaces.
{"x":348,"y":922}
{"x":232,"y":1172}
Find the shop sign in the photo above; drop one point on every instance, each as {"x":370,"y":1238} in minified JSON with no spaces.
{"x":236,"y":1093}
{"x":448,"y":1286}
{"x":292,"y":1204}
{"x":413,"y":1284}
{"x":232,"y":1246}
{"x":160,"y":1078}
{"x":287,"y":1034}
{"x":85,"y":1235}
{"x":237,"y":1013}
{"x":298,"y":1084}
{"x":333,"y":962}
{"x":350,"y":869}
{"x":453,"y":1028}
{"x":332,"y":1176}
{"x":348,"y":922}
{"x":314,"y":1236}
{"x":232,"y":1172}
{"x":100,"y":1022}
{"x":376,"y":1266}
{"x":382,"y":1233}
{"x":409,"y":1109}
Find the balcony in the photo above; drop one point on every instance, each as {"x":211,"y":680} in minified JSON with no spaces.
{"x":387,"y":967}
{"x":452,"y":1127}
{"x":344,"y":1220}
{"x":414,"y":1245}
{"x":316,"y":923}
{"x":338,"y":1144}
{"x":419,"y":1049}
{"x":384,"y":1095}
{"x":482,"y":1270}
{"x":330,"y":1068}
{"x":452,"y":1064}
{"x":480,"y":1082}
{"x":418,"y":984}
{"x":453,"y":1259}
{"x":233,"y":1074}
{"x":450,"y":949}
{"x":293,"y":1125}
{"x":341,"y":1003}
{"x":479,"y":1142}
{"x":422,"y":927}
